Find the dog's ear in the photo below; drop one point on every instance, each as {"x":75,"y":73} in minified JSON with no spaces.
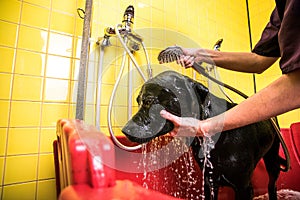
{"x":200,"y":90}
{"x":203,"y":96}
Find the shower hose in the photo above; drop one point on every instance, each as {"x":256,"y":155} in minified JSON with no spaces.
{"x":126,"y":52}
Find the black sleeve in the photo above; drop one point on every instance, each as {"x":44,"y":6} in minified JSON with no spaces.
{"x":268,"y":43}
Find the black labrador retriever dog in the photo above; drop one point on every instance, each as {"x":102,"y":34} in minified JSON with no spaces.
{"x":235,"y":153}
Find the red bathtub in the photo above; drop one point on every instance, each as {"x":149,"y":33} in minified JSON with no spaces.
{"x":103,"y":171}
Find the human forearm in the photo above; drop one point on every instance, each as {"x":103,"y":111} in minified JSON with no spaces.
{"x":237,"y":61}
{"x":279,"y":97}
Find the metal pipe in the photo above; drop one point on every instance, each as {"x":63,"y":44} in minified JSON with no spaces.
{"x":130,"y":91}
{"x":99,"y":82}
{"x":81,"y":91}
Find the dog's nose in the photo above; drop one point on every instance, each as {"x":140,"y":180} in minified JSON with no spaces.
{"x":136,"y":133}
{"x":127,"y":129}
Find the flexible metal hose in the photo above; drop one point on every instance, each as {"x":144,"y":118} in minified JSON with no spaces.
{"x":127,"y":51}
{"x":111,"y":132}
{"x":149,"y":70}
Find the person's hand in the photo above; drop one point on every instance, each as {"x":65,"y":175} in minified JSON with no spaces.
{"x":191,"y":56}
{"x":187,"y":56}
{"x":186,"y":61}
{"x":188,"y":126}
{"x":183,"y":126}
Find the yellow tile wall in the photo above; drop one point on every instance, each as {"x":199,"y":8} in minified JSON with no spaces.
{"x":40,"y":44}
{"x":188,"y":23}
{"x":38,"y":50}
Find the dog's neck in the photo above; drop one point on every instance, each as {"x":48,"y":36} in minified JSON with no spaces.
{"x":206,"y":108}
{"x":213,"y":105}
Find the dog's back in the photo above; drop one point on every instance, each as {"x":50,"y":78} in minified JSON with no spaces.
{"x":236,"y":152}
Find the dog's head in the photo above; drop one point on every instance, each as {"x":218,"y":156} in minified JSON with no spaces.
{"x":171,"y":91}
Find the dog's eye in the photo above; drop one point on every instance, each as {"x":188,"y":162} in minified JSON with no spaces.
{"x":147,"y":102}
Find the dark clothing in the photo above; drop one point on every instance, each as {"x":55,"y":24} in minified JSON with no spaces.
{"x":281,"y":37}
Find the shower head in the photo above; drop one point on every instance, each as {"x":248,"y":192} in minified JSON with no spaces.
{"x":128,"y":17}
{"x":174,"y":53}
{"x":170,"y":54}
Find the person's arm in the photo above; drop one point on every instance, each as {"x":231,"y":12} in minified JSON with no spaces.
{"x":279,"y":97}
{"x":236,"y":61}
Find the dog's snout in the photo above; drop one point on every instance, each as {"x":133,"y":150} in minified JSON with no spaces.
{"x":141,"y":119}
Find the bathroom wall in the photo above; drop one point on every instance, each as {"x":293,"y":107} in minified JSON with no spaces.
{"x":40,"y":50}
{"x":185,"y":23}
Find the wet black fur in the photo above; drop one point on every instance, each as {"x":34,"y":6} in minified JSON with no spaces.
{"x":236,"y":152}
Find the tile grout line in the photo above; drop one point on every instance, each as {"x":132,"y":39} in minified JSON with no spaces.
{"x":27,"y":154}
{"x":42,"y":101}
{"x":24,"y":182}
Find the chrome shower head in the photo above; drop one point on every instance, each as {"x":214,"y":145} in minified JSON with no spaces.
{"x":170,"y":54}
{"x":174,"y":53}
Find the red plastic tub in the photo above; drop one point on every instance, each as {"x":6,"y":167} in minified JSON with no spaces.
{"x":117,"y":174}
